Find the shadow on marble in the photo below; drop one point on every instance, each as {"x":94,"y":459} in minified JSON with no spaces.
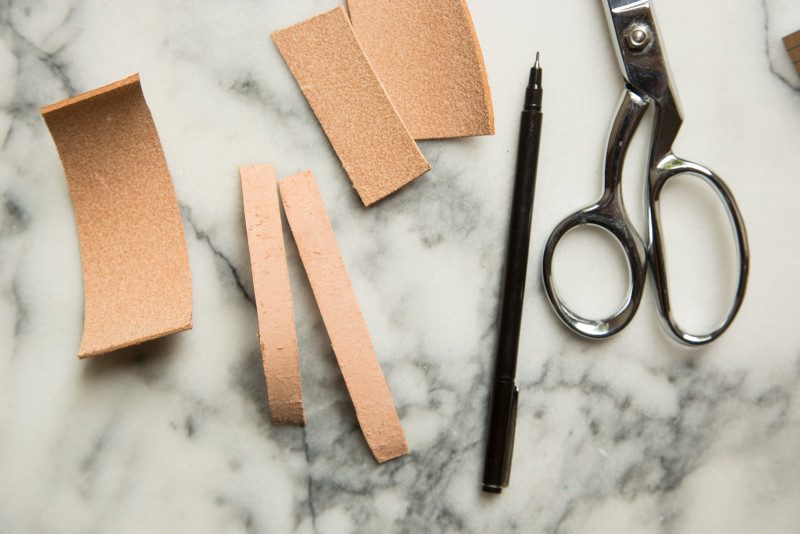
{"x":148,"y":360}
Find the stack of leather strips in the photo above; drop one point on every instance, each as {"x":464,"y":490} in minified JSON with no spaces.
{"x":335,"y":297}
{"x":398,"y":73}
{"x":792,"y":44}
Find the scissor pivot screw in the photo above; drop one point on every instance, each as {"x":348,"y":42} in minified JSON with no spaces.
{"x":638,"y":36}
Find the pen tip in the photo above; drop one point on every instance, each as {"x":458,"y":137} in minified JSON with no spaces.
{"x":536,"y":63}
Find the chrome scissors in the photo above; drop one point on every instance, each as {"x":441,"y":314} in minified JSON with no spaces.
{"x":646,"y":73}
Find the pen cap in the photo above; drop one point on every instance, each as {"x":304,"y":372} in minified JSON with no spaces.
{"x":500,"y":445}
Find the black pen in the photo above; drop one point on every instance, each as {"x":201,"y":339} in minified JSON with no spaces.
{"x":503,"y":404}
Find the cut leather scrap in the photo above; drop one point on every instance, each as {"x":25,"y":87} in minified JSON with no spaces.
{"x":273,"y":294}
{"x":342,"y":316}
{"x":360,"y":121}
{"x":792,"y":44}
{"x":136,"y":277}
{"x":427,"y":56}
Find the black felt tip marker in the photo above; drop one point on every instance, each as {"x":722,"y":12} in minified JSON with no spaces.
{"x":503,"y":407}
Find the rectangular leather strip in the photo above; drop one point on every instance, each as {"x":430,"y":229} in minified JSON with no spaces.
{"x":341,"y":314}
{"x":273,"y":294}
{"x":429,"y":60}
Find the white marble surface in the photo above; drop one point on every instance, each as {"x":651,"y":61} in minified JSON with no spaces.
{"x":634,"y":434}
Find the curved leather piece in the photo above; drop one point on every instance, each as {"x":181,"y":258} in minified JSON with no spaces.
{"x":136,"y":277}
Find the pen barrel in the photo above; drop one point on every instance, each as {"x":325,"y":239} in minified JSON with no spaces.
{"x":505,"y":395}
{"x":519,"y":233}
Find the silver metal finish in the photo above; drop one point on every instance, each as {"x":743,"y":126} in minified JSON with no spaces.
{"x":638,"y":36}
{"x":646,"y":73}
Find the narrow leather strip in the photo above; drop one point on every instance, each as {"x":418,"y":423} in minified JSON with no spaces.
{"x":273,"y":294}
{"x":342,"y":316}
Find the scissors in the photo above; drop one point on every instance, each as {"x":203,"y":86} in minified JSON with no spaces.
{"x":646,"y":73}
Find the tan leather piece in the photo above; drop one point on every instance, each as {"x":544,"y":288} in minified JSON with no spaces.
{"x":427,"y":56}
{"x":360,"y":121}
{"x":273,"y":294}
{"x":342,"y":316}
{"x":136,"y":277}
{"x":792,"y":44}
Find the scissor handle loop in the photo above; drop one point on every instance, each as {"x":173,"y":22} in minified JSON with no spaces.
{"x":609,"y":216}
{"x":660,"y":174}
